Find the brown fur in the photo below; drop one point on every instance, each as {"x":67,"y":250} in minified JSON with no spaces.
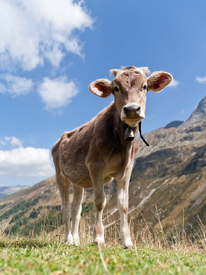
{"x":95,"y":153}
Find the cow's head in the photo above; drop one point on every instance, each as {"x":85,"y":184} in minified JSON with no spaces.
{"x":130,"y":87}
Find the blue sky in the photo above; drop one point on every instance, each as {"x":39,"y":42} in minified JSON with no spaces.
{"x":51,"y":50}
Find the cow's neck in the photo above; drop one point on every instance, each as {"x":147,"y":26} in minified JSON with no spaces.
{"x":128,"y":148}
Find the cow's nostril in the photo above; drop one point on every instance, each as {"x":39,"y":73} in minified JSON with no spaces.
{"x":126,"y":110}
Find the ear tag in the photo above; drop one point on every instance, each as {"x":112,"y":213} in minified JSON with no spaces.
{"x":128,"y":134}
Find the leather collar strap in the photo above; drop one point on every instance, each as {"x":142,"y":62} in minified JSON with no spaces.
{"x":128,"y":130}
{"x":140,"y":132}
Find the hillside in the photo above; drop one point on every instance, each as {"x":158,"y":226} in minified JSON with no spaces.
{"x":168,"y":184}
{"x":169,"y":177}
{"x":191,"y":133}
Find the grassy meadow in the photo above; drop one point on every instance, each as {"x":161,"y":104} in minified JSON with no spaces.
{"x":35,"y":256}
{"x":153,"y":253}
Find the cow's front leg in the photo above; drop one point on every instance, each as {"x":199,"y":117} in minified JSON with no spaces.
{"x":122,"y":201}
{"x":99,"y":202}
{"x":76,"y":212}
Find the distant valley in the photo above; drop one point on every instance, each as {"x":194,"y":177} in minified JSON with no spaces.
{"x":8,"y":190}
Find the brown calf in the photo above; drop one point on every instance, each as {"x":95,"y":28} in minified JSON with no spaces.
{"x":105,"y":148}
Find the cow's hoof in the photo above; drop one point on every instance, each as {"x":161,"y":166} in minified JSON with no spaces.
{"x":99,"y":241}
{"x":69,"y":242}
{"x":129,"y":247}
{"x":69,"y":239}
{"x":127,"y":243}
{"x":76,"y":241}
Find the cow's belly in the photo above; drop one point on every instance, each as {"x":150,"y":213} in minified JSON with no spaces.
{"x":78,"y":174}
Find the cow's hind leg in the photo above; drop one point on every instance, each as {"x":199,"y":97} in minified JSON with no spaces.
{"x":63,"y":185}
{"x":76,"y":212}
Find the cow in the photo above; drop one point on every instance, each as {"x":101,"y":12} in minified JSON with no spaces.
{"x":104,"y":149}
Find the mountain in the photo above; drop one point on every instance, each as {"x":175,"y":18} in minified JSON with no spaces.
{"x":168,"y":184}
{"x":190,"y":133}
{"x":198,"y":115}
{"x":175,"y":124}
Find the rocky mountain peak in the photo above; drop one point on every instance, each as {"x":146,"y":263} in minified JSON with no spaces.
{"x":198,"y":115}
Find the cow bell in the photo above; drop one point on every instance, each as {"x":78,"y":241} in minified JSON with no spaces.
{"x":129,"y":134}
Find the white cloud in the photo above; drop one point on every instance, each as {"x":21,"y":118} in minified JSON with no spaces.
{"x":3,"y":89}
{"x":2,"y":142}
{"x":14,"y":141}
{"x":56,"y":93}
{"x":201,"y":79}
{"x":174,"y":83}
{"x":34,"y":30}
{"x":26,"y":162}
{"x":15,"y":85}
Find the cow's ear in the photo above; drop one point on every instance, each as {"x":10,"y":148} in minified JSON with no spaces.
{"x":158,"y":81}
{"x":101,"y":87}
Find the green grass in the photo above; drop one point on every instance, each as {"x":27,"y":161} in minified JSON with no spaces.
{"x":35,"y":256}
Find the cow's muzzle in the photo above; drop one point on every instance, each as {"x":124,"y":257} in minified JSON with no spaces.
{"x":132,"y":113}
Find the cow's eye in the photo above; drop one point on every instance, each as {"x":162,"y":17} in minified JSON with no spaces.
{"x":145,"y":87}
{"x":116,"y":89}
